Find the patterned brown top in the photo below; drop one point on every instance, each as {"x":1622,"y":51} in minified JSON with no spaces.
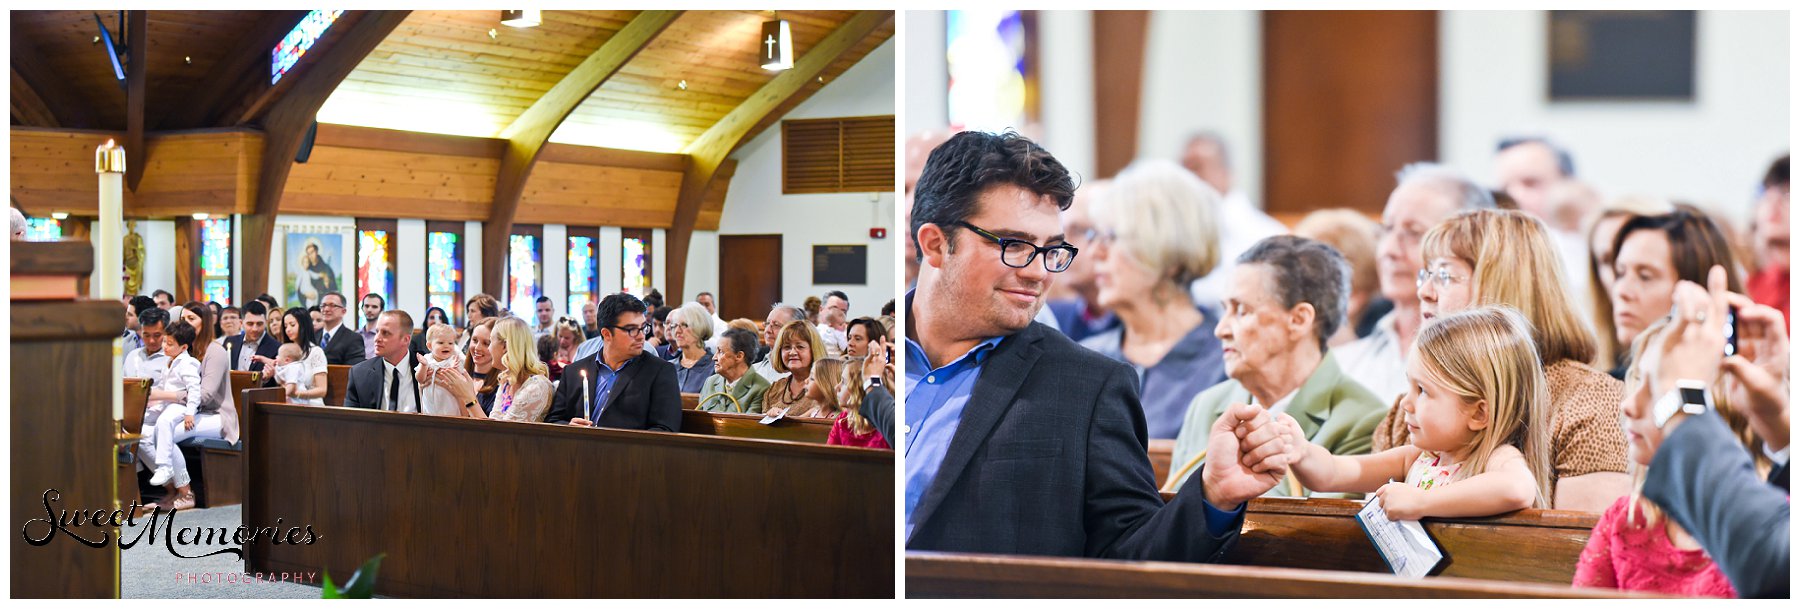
{"x":1585,"y":434}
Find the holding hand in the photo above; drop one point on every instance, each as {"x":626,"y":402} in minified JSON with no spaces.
{"x":1401,"y":501}
{"x":580,"y":422}
{"x":1757,"y":377}
{"x":1248,"y":457}
{"x":1694,"y":344}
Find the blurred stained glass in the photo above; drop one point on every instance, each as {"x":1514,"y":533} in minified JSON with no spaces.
{"x":374,"y":271}
{"x":443,"y":272}
{"x":582,"y":276}
{"x":43,"y":229}
{"x":987,"y":54}
{"x":637,"y":267}
{"x":522,"y":290}
{"x":215,"y":259}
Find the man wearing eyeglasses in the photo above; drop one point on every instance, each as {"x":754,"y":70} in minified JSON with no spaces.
{"x":620,"y":386}
{"x":343,"y":346}
{"x":1020,"y":441}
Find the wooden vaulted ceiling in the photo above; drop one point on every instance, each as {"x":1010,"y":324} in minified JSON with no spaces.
{"x":449,"y":58}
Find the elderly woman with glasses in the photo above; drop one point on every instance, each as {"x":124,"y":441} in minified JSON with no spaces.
{"x":689,"y":328}
{"x":1495,"y":257}
{"x":1154,"y":234}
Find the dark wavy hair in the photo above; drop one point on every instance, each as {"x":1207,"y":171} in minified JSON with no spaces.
{"x":970,"y":163}
{"x":1695,"y":244}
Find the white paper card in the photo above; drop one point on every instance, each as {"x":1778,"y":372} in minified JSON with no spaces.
{"x":1404,"y":544}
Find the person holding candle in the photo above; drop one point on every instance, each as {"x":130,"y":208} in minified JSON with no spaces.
{"x":626,"y":387}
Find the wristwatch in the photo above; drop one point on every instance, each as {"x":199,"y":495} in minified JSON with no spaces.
{"x":1689,"y":396}
{"x":873,"y":382}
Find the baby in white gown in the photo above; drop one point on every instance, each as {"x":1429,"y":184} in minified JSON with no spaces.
{"x":443,"y":355}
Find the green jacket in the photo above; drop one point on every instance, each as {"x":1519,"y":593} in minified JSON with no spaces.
{"x":1333,"y":410}
{"x":748,"y":391}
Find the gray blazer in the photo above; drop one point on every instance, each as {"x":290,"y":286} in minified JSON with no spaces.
{"x":1704,"y":479}
{"x":1051,"y":458}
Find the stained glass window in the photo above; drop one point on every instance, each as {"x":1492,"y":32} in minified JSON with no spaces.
{"x":43,"y":229}
{"x":523,"y":270}
{"x":443,"y":272}
{"x":637,"y":266}
{"x":374,"y":265}
{"x":583,"y":276}
{"x":991,"y":86}
{"x":215,"y":260}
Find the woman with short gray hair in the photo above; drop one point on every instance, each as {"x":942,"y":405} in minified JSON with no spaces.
{"x":692,"y":327}
{"x":1287,"y":297}
{"x":1155,"y":233}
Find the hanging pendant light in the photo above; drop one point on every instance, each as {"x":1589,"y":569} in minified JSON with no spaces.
{"x":531,"y":18}
{"x":776,"y":46}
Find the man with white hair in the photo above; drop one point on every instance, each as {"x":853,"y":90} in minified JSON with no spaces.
{"x":1206,"y":155}
{"x":1427,"y":195}
{"x":18,"y":224}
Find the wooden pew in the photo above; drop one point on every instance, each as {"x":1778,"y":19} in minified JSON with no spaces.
{"x":1161,"y":452}
{"x":734,"y":425}
{"x":244,"y":379}
{"x":690,"y":401}
{"x":581,"y":513}
{"x":137,"y":400}
{"x":953,"y":575}
{"x":337,"y":380}
{"x":1524,"y":546}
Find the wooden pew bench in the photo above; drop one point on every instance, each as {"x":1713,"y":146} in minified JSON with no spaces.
{"x":337,"y":382}
{"x":690,"y":401}
{"x":476,"y":508}
{"x":954,"y":575}
{"x":1161,"y":452}
{"x":137,"y":400}
{"x":733,"y":425}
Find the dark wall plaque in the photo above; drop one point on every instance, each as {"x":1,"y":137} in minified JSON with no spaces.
{"x":841,"y":264}
{"x":1622,"y":55}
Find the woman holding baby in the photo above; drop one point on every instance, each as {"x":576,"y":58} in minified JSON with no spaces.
{"x":522,"y":388}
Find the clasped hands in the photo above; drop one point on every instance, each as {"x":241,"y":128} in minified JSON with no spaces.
{"x":1248,"y":453}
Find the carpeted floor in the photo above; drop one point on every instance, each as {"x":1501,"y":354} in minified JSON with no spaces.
{"x":150,"y":571}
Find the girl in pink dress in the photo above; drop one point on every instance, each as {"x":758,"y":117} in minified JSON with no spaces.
{"x":1634,"y":546}
{"x":851,"y":429}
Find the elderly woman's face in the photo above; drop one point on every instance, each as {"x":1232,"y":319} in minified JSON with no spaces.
{"x":1448,"y":287}
{"x":1120,"y":276}
{"x":796,"y":352}
{"x":1254,"y":330}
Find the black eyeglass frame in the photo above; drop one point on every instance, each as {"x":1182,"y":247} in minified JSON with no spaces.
{"x":1006,"y":242}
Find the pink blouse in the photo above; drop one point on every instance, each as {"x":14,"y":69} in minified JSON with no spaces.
{"x":1638,"y":557}
{"x":843,"y":435}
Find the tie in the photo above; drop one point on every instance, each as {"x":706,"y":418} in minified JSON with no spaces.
{"x":394,"y":391}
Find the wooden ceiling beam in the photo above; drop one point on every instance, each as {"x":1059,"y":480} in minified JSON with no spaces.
{"x":232,"y":78}
{"x":27,"y":107}
{"x":527,"y":135}
{"x":707,"y":153}
{"x":288,"y":118}
{"x":136,"y":85}
{"x":33,"y":70}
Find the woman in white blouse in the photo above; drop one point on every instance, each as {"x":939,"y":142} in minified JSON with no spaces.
{"x":296,"y":327}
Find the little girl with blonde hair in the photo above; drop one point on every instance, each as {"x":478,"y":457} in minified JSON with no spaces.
{"x":1476,"y":409}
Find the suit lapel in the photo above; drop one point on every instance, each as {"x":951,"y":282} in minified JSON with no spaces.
{"x":1002,"y":374}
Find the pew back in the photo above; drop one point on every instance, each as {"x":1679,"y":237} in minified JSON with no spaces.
{"x":690,"y":401}
{"x":537,"y":510}
{"x":241,"y":380}
{"x":137,"y":400}
{"x":952,"y":575}
{"x":750,"y":426}
{"x":337,"y":380}
{"x":1524,"y":546}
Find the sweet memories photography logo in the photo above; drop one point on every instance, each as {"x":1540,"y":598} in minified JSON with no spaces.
{"x":95,"y":528}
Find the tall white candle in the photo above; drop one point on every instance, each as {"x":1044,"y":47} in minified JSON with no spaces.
{"x":586,"y":395}
{"x":108,"y":240}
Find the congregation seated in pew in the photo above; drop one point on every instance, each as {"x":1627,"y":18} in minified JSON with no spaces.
{"x":623,"y":385}
{"x":797,"y":346}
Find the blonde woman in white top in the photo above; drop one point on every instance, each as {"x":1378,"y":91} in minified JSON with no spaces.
{"x":524,"y":388}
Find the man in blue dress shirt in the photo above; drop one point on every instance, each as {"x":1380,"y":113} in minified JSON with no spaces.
{"x":1021,"y":441}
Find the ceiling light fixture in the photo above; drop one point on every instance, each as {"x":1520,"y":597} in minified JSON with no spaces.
{"x":681,"y":85}
{"x":59,"y":215}
{"x":201,"y":216}
{"x":531,"y":18}
{"x":776,"y":46}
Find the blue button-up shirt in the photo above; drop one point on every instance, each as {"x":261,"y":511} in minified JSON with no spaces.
{"x":934,"y":407}
{"x":603,"y":386}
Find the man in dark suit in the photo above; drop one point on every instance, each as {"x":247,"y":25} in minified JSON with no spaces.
{"x":386,"y":382}
{"x":631,"y":388}
{"x":255,"y":321}
{"x":1021,"y":441}
{"x":343,"y":346}
{"x":1700,"y":473}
